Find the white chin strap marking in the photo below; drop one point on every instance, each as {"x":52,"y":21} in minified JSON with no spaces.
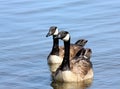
{"x":85,"y":54}
{"x":85,"y":57}
{"x":56,"y":32}
{"x":66,"y":38}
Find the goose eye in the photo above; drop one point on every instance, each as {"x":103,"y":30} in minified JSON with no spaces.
{"x":53,"y":31}
{"x":63,"y":34}
{"x":89,"y":50}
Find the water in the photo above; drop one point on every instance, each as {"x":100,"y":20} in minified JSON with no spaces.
{"x":24,"y":47}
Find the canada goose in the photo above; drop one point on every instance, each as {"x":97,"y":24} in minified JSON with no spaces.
{"x":77,"y":69}
{"x":57,"y":53}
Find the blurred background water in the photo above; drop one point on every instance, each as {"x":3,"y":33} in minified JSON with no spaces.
{"x":24,"y":47}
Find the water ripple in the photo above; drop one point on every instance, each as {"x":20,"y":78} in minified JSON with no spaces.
{"x":24,"y":47}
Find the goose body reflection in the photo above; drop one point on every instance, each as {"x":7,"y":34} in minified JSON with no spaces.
{"x":82,"y":85}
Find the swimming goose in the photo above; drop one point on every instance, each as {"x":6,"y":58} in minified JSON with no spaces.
{"x":57,"y":53}
{"x":77,"y":69}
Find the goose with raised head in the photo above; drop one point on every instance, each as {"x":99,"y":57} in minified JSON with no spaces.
{"x":57,"y":53}
{"x":77,"y":69}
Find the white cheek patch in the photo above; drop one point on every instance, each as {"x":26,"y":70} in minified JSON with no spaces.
{"x":67,"y":37}
{"x":56,"y":32}
{"x":85,"y":54}
{"x":85,"y":57}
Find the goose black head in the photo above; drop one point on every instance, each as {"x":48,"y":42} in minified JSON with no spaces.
{"x":52,"y":31}
{"x":63,"y":35}
{"x":87,"y":53}
{"x":81,"y":42}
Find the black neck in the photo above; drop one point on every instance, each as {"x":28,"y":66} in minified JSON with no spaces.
{"x":66,"y":63}
{"x":55,"y":48}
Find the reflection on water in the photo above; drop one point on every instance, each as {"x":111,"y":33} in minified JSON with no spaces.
{"x":81,"y":85}
{"x":24,"y":47}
